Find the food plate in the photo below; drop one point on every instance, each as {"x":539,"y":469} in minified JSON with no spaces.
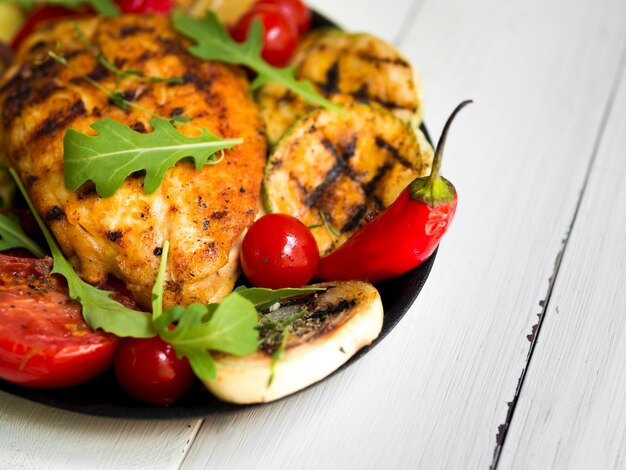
{"x":102,"y":396}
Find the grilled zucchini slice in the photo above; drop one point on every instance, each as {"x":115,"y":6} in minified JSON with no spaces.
{"x":346,"y":68}
{"x":319,"y":332}
{"x":334,"y":171}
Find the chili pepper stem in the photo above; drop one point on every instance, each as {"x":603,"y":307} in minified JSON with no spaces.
{"x":433,"y":189}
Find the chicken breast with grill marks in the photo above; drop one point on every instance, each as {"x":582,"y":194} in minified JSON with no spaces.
{"x":202,"y":213}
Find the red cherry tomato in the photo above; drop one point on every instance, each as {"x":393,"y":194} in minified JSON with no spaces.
{"x":295,"y":9}
{"x":161,"y":7}
{"x":279,"y":251}
{"x":44,"y":340}
{"x":39,"y":15}
{"x":280,"y":35}
{"x":149,"y":370}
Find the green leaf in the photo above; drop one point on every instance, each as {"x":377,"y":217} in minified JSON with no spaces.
{"x":229,"y":327}
{"x":265,"y":298}
{"x":103,"y":7}
{"x":214,"y":43}
{"x":117,"y":151}
{"x":99,"y":309}
{"x":12,"y":236}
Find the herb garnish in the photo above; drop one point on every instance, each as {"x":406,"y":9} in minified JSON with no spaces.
{"x":229,"y":327}
{"x":118,"y":151}
{"x":99,"y":309}
{"x":12,"y":236}
{"x":214,"y":43}
{"x":103,"y":7}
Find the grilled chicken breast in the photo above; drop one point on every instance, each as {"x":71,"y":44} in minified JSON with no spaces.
{"x":202,"y":213}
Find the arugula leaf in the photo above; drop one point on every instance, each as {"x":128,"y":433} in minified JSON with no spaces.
{"x":117,"y":151}
{"x":214,"y":43}
{"x":12,"y":236}
{"x":229,"y":327}
{"x":99,"y":309}
{"x":265,"y":298}
{"x":103,"y":7}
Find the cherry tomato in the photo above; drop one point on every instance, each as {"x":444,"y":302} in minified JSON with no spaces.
{"x":39,"y":15}
{"x":279,"y":251}
{"x":295,"y":9}
{"x":280,"y":35}
{"x":44,"y":340}
{"x":149,"y":370}
{"x":161,"y":7}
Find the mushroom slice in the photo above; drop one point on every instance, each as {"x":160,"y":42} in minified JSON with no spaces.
{"x":303,"y":340}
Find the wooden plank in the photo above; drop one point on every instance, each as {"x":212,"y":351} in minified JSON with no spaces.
{"x":34,"y":436}
{"x":571,"y":412}
{"x":435,"y":391}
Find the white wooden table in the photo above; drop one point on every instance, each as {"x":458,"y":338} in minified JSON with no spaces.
{"x":514,"y":355}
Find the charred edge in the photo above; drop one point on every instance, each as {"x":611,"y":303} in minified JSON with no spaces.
{"x":55,"y":214}
{"x":355,"y":220}
{"x":372,"y":184}
{"x":393,"y":151}
{"x":331,"y":85}
{"x":384,"y":60}
{"x":363,"y":95}
{"x":114,"y":235}
{"x":60,"y":120}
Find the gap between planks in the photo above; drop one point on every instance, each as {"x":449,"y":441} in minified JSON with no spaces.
{"x":536,"y":330}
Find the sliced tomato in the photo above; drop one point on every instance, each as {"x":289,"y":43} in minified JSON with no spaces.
{"x":44,"y":340}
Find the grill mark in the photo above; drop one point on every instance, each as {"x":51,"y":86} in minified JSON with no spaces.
{"x":114,"y":235}
{"x":332,"y":176}
{"x":367,"y":57}
{"x":21,"y":87}
{"x":393,"y":151}
{"x":334,"y":309}
{"x":55,"y":214}
{"x":177,"y":112}
{"x":132,"y":30}
{"x":355,"y":220}
{"x":331,"y":85}
{"x":139,"y":127}
{"x":98,"y":73}
{"x":60,"y":120}
{"x":370,"y":186}
{"x":363,"y":95}
{"x":378,"y":204}
{"x":38,"y":46}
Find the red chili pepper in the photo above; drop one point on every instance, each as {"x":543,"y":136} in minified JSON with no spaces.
{"x":403,"y":235}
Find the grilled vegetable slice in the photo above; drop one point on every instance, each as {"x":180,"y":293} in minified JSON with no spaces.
{"x":332,"y":171}
{"x":345,"y":67}
{"x":314,"y":334}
